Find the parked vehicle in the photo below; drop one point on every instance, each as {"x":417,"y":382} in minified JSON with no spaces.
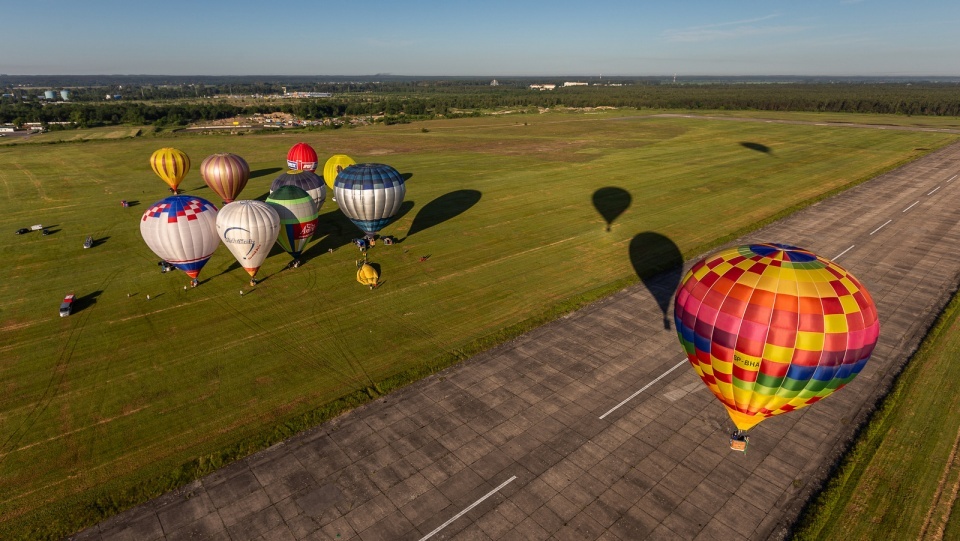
{"x":44,"y":232}
{"x":88,"y":243}
{"x":22,"y":230}
{"x":66,"y":306}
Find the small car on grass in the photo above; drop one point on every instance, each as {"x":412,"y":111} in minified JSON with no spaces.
{"x":67,"y":305}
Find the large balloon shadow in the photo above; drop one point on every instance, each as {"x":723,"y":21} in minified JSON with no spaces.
{"x":611,"y":202}
{"x":340,"y":231}
{"x":443,"y":208}
{"x":659,"y":264}
{"x":264,"y":172}
{"x":757,"y":146}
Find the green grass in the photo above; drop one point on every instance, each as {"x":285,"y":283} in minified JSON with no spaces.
{"x":902,"y":475}
{"x":129,"y":397}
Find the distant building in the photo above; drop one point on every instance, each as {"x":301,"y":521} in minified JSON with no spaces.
{"x":307,"y":95}
{"x":575,"y":83}
{"x":65,"y":95}
{"x":494,"y":83}
{"x":542,"y":87}
{"x":49,"y":94}
{"x":8,"y":129}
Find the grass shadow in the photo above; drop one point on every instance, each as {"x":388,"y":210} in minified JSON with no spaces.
{"x":86,"y":301}
{"x":443,"y":208}
{"x":406,"y":176}
{"x":658,"y":262}
{"x":611,"y":202}
{"x":757,"y":146}
{"x":98,"y":242}
{"x":264,"y":172}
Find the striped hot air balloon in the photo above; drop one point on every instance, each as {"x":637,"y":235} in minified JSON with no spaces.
{"x":305,"y":180}
{"x":298,"y":218}
{"x":171,"y":165}
{"x":302,"y":157}
{"x":181,"y":230}
{"x":369,"y":194}
{"x":225,"y":174}
{"x":248,"y":229}
{"x":771,"y":328}
{"x":335,"y":164}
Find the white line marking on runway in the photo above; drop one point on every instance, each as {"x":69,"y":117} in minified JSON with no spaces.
{"x":644,"y":388}
{"x":933,"y":190}
{"x":910,"y":207}
{"x":467,"y":510}
{"x":951,"y":178}
{"x":843,"y":252}
{"x":881,"y":227}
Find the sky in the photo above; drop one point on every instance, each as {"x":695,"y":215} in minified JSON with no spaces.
{"x":494,"y":38}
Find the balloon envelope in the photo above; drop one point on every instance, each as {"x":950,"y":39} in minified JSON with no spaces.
{"x":298,"y":218}
{"x":226,"y":174}
{"x":306,"y":181}
{"x":367,"y":275}
{"x":333,"y":167}
{"x":171,"y":165}
{"x":771,"y":328}
{"x":302,"y":157}
{"x":248,"y":229}
{"x":181,"y":230}
{"x":369,"y":194}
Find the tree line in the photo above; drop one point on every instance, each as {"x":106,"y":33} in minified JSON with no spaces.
{"x":413,"y":100}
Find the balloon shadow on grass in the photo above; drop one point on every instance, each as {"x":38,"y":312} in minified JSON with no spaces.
{"x":264,"y":172}
{"x":757,"y":146}
{"x":659,"y":264}
{"x":86,"y":301}
{"x":443,"y":208}
{"x":339,"y":231}
{"x":406,"y":176}
{"x":611,"y":202}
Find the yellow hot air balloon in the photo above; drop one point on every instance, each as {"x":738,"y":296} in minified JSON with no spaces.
{"x":171,"y":165}
{"x":368,"y":276}
{"x":336,"y":163}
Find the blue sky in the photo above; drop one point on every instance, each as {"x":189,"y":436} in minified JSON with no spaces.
{"x":482,"y":37}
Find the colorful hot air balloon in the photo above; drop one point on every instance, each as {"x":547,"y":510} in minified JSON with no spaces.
{"x":302,"y":157}
{"x":171,"y":165}
{"x":369,"y":194}
{"x":772,"y":328}
{"x":225,"y":174}
{"x":298,"y":219}
{"x":248,"y":229}
{"x":367,"y":275}
{"x":181,"y":230}
{"x":305,"y":180}
{"x":336,"y":163}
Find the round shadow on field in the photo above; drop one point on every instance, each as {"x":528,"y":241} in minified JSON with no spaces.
{"x":756,"y":146}
{"x":264,"y":172}
{"x":659,"y":264}
{"x":339,"y":231}
{"x":611,"y":202}
{"x":443,"y":208}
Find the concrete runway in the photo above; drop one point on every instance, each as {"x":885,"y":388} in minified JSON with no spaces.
{"x":593,"y":426}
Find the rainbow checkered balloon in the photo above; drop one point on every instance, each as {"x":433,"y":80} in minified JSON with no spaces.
{"x":772,"y":328}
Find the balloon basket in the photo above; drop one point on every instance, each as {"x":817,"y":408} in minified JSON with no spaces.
{"x":739,"y":441}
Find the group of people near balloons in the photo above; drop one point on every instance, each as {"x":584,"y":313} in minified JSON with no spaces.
{"x":769,"y":328}
{"x":185,"y":230}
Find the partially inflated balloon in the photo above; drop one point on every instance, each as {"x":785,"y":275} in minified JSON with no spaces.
{"x":305,"y":180}
{"x":181,"y":230}
{"x":369,"y":194}
{"x":368,"y":276}
{"x":225,"y":174}
{"x":298,"y":218}
{"x":771,"y":328}
{"x":333,"y":167}
{"x":248,"y":229}
{"x":302,"y":156}
{"x":171,"y":165}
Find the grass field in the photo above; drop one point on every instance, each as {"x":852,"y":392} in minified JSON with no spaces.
{"x":902,"y":478}
{"x":128,"y":397}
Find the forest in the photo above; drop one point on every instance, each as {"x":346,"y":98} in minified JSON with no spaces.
{"x":180,"y":105}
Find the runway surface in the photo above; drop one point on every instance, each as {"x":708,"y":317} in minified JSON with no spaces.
{"x":593,"y":426}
